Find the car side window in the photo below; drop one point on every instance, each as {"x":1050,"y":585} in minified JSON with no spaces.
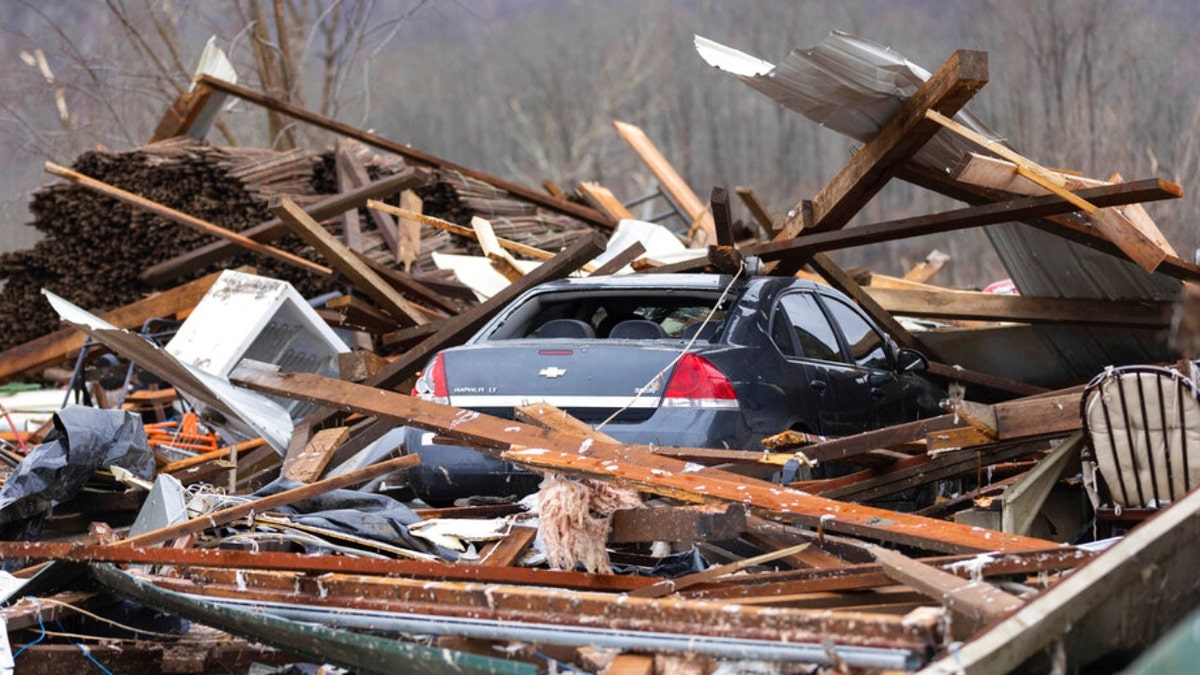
{"x":814,"y":335}
{"x":867,"y":345}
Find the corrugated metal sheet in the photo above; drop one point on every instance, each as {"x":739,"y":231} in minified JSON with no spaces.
{"x":854,"y":86}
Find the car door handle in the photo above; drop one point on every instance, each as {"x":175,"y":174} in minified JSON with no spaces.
{"x":876,"y":392}
{"x":818,"y":385}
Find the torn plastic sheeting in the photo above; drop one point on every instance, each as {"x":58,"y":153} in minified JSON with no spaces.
{"x":266,"y":417}
{"x":83,"y":439}
{"x":362,"y":514}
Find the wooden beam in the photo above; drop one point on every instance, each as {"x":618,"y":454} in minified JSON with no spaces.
{"x":1061,"y":227}
{"x":53,"y":348}
{"x":989,"y":211}
{"x":671,"y":182}
{"x":633,"y":466}
{"x":557,"y":205}
{"x":409,"y":286}
{"x":1036,"y":415}
{"x":363,"y":277}
{"x":978,"y":602}
{"x":946,"y":91}
{"x":903,"y":474}
{"x":966,"y":305}
{"x":706,"y":522}
{"x":722,"y":216}
{"x":274,"y":228}
{"x":186,"y":220}
{"x":1140,"y":248}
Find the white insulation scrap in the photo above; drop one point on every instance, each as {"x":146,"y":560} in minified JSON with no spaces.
{"x":574,"y":519}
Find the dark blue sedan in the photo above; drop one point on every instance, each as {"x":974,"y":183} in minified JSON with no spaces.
{"x":690,"y":360}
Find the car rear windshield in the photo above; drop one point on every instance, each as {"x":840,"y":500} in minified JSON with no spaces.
{"x":628,"y":314}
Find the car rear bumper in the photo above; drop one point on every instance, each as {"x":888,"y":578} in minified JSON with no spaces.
{"x":449,"y":472}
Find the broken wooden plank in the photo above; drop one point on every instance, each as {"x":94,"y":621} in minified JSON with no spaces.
{"x":978,"y":602}
{"x":358,"y":312}
{"x":310,"y":463}
{"x":363,"y":277}
{"x":602,"y":199}
{"x":502,"y":260}
{"x":972,"y":306}
{"x":352,"y":174}
{"x":924,"y":270}
{"x":554,"y":204}
{"x":687,"y":619}
{"x":1023,"y":501}
{"x":634,"y":466}
{"x":619,"y":261}
{"x":508,"y":551}
{"x":670,"y":180}
{"x":408,"y":230}
{"x":351,"y":225}
{"x":1058,"y":226}
{"x":274,"y":228}
{"x":946,"y":91}
{"x":182,"y":218}
{"x":757,"y":210}
{"x":53,"y":348}
{"x":1055,"y":413}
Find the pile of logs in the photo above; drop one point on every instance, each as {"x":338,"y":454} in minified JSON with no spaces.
{"x":94,"y":248}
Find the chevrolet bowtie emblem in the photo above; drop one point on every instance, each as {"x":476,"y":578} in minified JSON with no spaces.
{"x":552,"y":372}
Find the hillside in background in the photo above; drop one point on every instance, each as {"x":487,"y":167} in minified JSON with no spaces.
{"x":527,"y":89}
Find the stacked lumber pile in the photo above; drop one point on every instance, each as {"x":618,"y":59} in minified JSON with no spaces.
{"x":95,"y":248}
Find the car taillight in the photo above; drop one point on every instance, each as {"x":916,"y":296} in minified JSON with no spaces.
{"x":697,"y":383}
{"x":431,"y":385}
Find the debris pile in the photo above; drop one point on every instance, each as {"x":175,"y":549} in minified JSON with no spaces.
{"x":256,"y":513}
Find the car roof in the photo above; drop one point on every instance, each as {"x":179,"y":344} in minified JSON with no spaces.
{"x":650,"y":281}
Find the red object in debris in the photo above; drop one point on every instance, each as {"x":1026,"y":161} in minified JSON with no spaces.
{"x":1002,"y":287}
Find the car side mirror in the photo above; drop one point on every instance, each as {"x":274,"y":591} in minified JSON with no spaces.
{"x":911,"y":361}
